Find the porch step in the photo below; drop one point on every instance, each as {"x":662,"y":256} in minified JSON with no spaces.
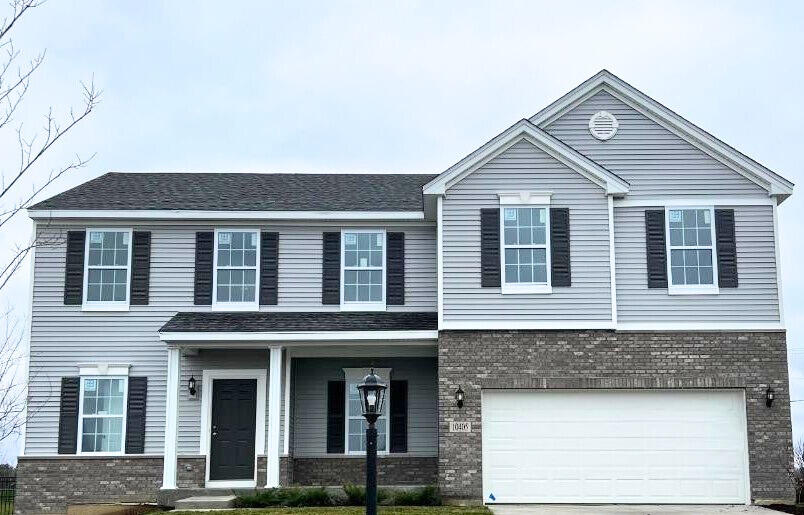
{"x":205,"y":502}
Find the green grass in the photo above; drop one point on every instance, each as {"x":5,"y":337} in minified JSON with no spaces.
{"x":355,"y":510}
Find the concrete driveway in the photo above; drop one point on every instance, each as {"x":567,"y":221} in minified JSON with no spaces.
{"x":625,"y":509}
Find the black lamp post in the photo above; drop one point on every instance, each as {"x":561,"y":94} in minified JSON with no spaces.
{"x":372,"y":395}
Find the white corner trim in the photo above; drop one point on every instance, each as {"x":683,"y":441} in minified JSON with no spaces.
{"x":170,"y":214}
{"x":525,"y":198}
{"x":696,"y":200}
{"x":778,"y":256}
{"x":298,"y":336}
{"x":274,"y":415}
{"x":440,"y":260}
{"x":27,"y":351}
{"x":612,"y":264}
{"x":103,"y":369}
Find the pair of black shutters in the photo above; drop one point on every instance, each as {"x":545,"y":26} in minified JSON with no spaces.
{"x":560,"y":269}
{"x":140,"y":268}
{"x":135,"y":415}
{"x":397,"y":415}
{"x":725,"y":245}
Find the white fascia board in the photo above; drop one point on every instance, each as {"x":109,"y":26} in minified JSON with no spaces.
{"x":525,"y":130}
{"x":606,"y":81}
{"x":297,"y":336}
{"x":700,"y":326}
{"x":515,"y":325}
{"x":174,"y":214}
{"x":695,"y":200}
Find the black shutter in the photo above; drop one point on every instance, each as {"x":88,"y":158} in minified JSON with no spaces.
{"x":726,"y":248}
{"x":560,"y":273}
{"x":140,"y":267}
{"x":68,"y":415}
{"x":74,"y":268}
{"x":331,"y":269}
{"x":336,"y":416}
{"x":395,"y":269}
{"x":655,"y":248}
{"x":204,"y":243}
{"x":269,"y":268}
{"x":490,"y":247}
{"x":135,"y":415}
{"x":398,"y":412}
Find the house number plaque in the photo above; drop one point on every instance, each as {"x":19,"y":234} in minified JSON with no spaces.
{"x":460,"y":427}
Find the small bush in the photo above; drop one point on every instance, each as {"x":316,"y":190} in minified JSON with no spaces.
{"x":288,"y":497}
{"x":427,"y":496}
{"x":356,"y":495}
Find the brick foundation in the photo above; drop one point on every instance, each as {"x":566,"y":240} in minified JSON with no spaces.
{"x":191,"y":471}
{"x":342,"y":470}
{"x":606,"y":359}
{"x":285,"y":470}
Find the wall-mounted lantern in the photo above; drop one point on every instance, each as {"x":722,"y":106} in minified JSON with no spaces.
{"x":459,"y":396}
{"x":770,"y":395}
{"x":191,"y":386}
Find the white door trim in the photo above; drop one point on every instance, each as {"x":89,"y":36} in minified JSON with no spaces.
{"x":207,"y":381}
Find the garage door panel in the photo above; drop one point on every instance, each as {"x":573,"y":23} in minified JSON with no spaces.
{"x":652,"y":446}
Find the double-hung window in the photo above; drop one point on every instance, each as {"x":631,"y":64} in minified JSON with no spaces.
{"x":107,"y":272}
{"x":363,"y":273}
{"x":525,"y":248}
{"x":691,"y":233}
{"x":355,"y":422}
{"x":237,"y":254}
{"x":102,"y":420}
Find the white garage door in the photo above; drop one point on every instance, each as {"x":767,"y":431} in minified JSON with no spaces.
{"x":614,"y":446}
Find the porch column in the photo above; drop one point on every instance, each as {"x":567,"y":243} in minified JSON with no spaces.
{"x":274,"y":413}
{"x":171,"y":419}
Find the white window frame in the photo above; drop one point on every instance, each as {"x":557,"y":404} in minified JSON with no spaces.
{"x":101,"y":305}
{"x":690,"y":289}
{"x":359,"y":374}
{"x":81,"y":415}
{"x":235,"y":306}
{"x":529,"y":200}
{"x":364,"y":306}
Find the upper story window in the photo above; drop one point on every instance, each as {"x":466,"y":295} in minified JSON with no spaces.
{"x":690,"y":239}
{"x":107,"y":272}
{"x":236,"y":257}
{"x":101,"y":421}
{"x":363,"y":258}
{"x":525,"y":243}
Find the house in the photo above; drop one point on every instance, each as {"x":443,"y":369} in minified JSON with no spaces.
{"x":601,"y":280}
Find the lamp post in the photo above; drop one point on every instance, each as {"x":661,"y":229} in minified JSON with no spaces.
{"x":372,"y":395}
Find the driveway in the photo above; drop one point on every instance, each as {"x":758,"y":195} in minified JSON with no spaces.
{"x":625,"y":509}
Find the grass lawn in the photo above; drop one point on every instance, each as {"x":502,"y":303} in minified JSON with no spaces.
{"x":355,"y":510}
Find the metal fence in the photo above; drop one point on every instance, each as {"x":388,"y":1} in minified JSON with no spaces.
{"x":8,"y":486}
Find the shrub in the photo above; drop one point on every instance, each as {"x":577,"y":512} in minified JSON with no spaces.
{"x":356,"y":495}
{"x":427,"y":496}
{"x":289,"y":497}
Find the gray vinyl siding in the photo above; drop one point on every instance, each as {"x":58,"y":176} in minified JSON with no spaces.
{"x":523,"y":167}
{"x":310,"y":400}
{"x":63,"y":336}
{"x":755,"y":300}
{"x":652,"y":159}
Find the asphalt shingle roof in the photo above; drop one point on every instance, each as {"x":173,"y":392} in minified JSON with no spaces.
{"x":245,"y":192}
{"x":301,"y":321}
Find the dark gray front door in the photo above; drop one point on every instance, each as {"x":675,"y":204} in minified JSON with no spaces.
{"x":234,"y":413}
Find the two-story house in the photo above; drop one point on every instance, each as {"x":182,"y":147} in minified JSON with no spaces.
{"x":600,"y":281}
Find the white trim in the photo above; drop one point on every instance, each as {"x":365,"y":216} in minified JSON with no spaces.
{"x":274,"y":415}
{"x":207,"y":384}
{"x":103,"y":369}
{"x":81,"y":416}
{"x":299,"y":336}
{"x":691,"y":289}
{"x":100,"y":305}
{"x":526,"y":325}
{"x":699,"y":326}
{"x":612,"y":264}
{"x":29,"y":323}
{"x":378,"y":350}
{"x":235,"y":306}
{"x":171,"y":214}
{"x":440,"y":259}
{"x":687,"y":200}
{"x":171,"y":418}
{"x":778,"y":260}
{"x":746,"y":455}
{"x":357,"y":374}
{"x":528,"y":200}
{"x":288,"y":373}
{"x":525,"y":130}
{"x":525,"y":198}
{"x":364,"y":306}
{"x":606,"y":81}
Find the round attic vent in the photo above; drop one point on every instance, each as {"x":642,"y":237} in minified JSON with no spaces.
{"x":603,"y":125}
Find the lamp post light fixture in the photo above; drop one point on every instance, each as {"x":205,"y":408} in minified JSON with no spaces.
{"x":372,"y":395}
{"x":770,"y":395}
{"x":459,"y":396}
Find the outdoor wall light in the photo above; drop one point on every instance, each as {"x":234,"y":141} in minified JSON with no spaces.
{"x":459,"y":395}
{"x":191,"y":386}
{"x":770,"y":395}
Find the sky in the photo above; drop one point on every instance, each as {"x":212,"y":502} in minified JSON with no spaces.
{"x":398,"y":87}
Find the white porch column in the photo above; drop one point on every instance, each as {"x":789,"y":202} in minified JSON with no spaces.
{"x":274,"y":413}
{"x":171,"y":419}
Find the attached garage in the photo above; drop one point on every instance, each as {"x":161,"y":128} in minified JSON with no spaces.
{"x":615,"y":446}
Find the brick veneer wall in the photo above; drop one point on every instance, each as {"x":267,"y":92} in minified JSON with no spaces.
{"x":191,"y":471}
{"x":342,"y":470}
{"x":607,"y":359}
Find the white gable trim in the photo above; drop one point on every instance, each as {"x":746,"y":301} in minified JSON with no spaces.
{"x":621,"y":90}
{"x":525,"y":130}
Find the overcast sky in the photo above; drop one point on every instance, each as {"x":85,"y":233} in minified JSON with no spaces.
{"x":401,"y":87}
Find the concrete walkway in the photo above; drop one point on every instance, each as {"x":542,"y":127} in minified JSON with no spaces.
{"x":625,"y":509}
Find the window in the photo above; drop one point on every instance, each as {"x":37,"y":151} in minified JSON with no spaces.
{"x":363,"y":270}
{"x":236,"y":257}
{"x":101,"y":423}
{"x":355,"y":423}
{"x":692,"y":255}
{"x":108,"y":268}
{"x":526,"y":249}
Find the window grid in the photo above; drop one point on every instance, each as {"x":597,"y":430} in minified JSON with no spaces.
{"x":108,"y":257}
{"x":236,"y":257}
{"x":525,"y":244}
{"x":363,"y":267}
{"x":690,"y":240}
{"x":102,"y":414}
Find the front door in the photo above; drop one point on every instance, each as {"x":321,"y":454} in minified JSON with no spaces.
{"x":234,"y":418}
